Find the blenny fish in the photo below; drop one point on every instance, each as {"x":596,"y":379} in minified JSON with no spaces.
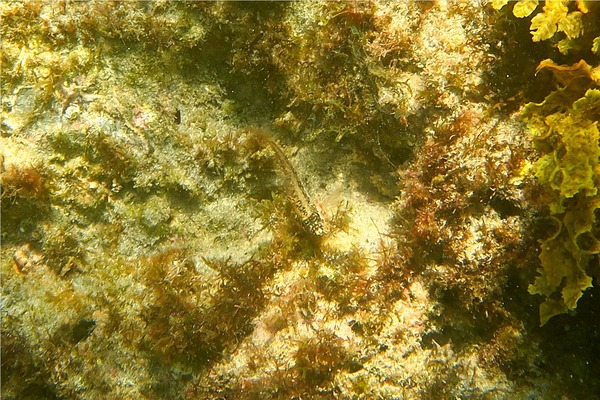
{"x":303,"y":207}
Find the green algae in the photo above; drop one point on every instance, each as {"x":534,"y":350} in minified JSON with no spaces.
{"x":556,"y":16}
{"x":570,"y":167}
{"x":158,"y":238}
{"x":565,"y":132}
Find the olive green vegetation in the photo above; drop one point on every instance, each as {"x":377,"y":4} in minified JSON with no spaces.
{"x":145,"y":226}
{"x":565,"y":132}
{"x":570,"y":167}
{"x":556,"y":16}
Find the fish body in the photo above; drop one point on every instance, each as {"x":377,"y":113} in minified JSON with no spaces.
{"x":303,"y":207}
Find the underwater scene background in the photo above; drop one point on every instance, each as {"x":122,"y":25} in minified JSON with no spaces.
{"x":300,"y":200}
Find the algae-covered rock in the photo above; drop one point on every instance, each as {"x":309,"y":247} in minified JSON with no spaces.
{"x":375,"y":240}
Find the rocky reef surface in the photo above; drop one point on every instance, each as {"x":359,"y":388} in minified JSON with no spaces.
{"x":300,"y":200}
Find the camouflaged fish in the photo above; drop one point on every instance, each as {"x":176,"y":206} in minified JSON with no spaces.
{"x":305,"y":210}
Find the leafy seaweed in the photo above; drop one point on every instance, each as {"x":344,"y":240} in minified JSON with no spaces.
{"x":554,"y":17}
{"x":565,"y":129}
